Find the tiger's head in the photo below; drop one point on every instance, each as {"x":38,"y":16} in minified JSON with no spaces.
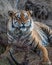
{"x":21,"y":19}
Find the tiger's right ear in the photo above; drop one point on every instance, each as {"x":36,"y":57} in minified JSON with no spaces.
{"x":31,"y":12}
{"x":10,"y":13}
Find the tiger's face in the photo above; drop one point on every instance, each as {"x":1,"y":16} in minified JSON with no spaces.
{"x":21,"y":19}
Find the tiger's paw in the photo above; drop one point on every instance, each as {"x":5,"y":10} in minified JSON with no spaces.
{"x":46,"y":63}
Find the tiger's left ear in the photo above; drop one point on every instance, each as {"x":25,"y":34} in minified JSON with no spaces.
{"x":11,"y":13}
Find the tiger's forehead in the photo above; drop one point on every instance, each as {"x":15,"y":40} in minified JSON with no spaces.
{"x":22,"y":16}
{"x":22,"y":12}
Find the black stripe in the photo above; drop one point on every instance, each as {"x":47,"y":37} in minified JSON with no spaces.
{"x":32,"y":42}
{"x":14,"y":59}
{"x":26,"y":39}
{"x":27,"y":36}
{"x":35,"y":48}
{"x":16,"y":63}
{"x":11,"y":63}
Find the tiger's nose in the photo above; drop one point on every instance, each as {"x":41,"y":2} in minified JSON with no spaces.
{"x":23,"y":25}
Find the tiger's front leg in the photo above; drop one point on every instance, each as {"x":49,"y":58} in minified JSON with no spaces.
{"x":45,"y":60}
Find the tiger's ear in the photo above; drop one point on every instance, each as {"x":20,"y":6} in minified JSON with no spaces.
{"x":10,"y":13}
{"x":30,"y":12}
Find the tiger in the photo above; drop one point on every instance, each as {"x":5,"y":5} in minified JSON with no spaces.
{"x":22,"y":31}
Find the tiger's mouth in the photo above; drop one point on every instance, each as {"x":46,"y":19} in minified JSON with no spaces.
{"x":23,"y":29}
